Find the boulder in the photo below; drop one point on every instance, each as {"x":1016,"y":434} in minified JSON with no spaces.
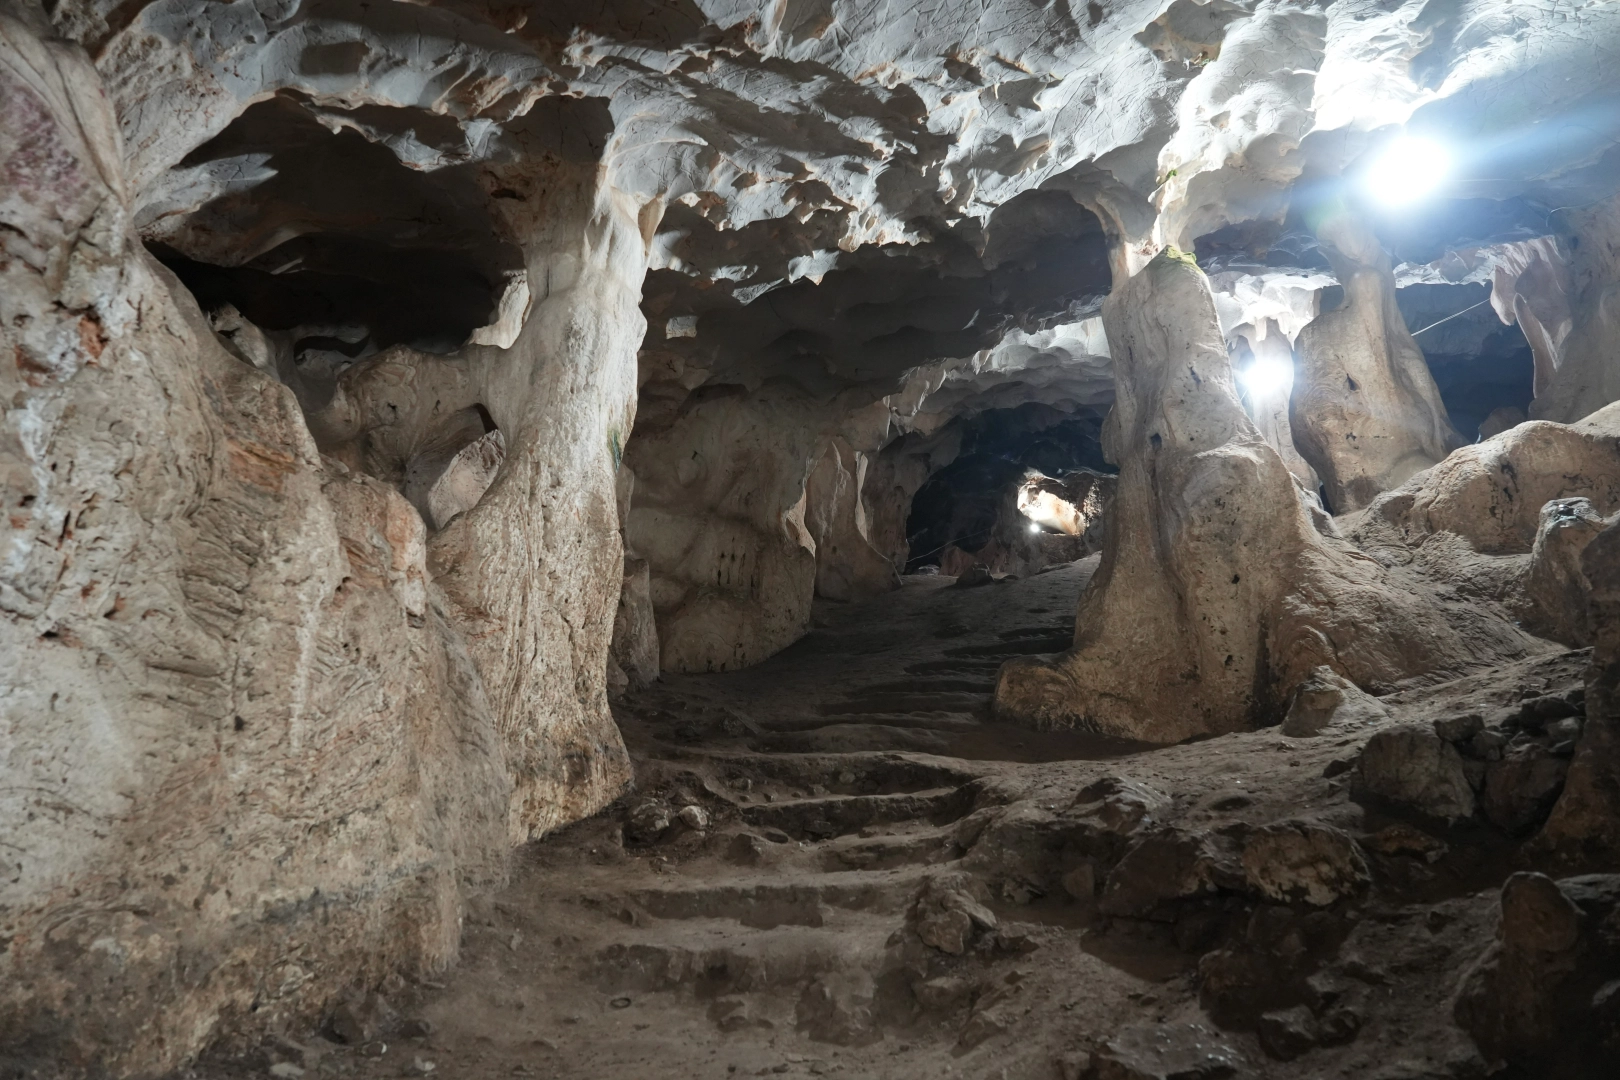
{"x":1584,"y":826}
{"x":1178,"y":1051}
{"x":1522,"y":786}
{"x":1538,"y":997}
{"x":1326,"y":699}
{"x":1411,"y":768}
{"x":947,"y":917}
{"x":1303,"y":862}
{"x":1170,"y":864}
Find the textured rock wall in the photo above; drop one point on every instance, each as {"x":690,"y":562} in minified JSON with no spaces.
{"x":719,"y":515}
{"x":271,"y":729}
{"x":533,"y":571}
{"x":1586,"y":377}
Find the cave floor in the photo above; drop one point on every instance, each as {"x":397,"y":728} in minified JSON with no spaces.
{"x":773,"y":932}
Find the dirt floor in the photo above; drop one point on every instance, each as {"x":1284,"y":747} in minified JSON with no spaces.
{"x":835,"y":863}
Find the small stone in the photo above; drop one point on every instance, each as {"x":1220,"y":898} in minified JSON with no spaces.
{"x":647,"y":822}
{"x":1337,"y":767}
{"x":620,"y":1003}
{"x":420,"y":1067}
{"x":694,"y":817}
{"x":1287,"y":1033}
{"x":1074,"y":1065}
{"x":977,"y":574}
{"x":1459,"y":729}
{"x":943,"y":994}
{"x":286,"y":1070}
{"x":1488,"y":745}
{"x":416,"y":1027}
{"x":1338,"y":1026}
{"x":373,"y":1049}
{"x":1081,"y":882}
{"x":746,"y":849}
{"x":1567,"y":729}
{"x":359,"y":1017}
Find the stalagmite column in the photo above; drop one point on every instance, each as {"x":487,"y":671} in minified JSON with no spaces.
{"x":1586,"y":375}
{"x":1215,"y":596}
{"x":1365,"y":411}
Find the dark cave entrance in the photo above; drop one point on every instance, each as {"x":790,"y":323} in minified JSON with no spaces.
{"x":965,"y":504}
{"x":1483,"y":369}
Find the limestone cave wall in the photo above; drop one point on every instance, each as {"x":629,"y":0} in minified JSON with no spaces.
{"x":383,"y":381}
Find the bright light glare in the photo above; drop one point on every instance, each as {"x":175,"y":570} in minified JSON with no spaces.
{"x":1408,"y":169}
{"x":1267,"y":377}
{"x":1034,"y":528}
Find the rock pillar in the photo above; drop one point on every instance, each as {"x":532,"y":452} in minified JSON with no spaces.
{"x":1365,"y":411}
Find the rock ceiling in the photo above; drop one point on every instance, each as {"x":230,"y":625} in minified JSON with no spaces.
{"x":841,"y":192}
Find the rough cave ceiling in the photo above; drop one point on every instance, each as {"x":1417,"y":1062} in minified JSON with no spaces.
{"x":841,"y":192}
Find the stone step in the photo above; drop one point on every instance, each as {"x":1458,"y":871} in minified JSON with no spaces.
{"x":928,"y":686}
{"x":1065,"y":632}
{"x":822,"y":818}
{"x":935,"y":720}
{"x":855,"y":738}
{"x":715,"y":957}
{"x":930,"y":847}
{"x":954,"y":667}
{"x":859,"y":773}
{"x":935,"y":701}
{"x":1021,"y":647}
{"x":765,"y":904}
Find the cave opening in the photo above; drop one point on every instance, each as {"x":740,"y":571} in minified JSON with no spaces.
{"x":967,"y":513}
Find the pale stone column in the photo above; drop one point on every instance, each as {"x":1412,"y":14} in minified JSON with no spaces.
{"x":1365,"y":411}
